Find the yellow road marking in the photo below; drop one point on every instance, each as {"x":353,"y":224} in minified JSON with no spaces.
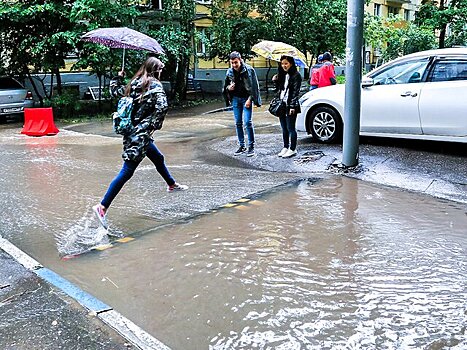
{"x":243,"y":200}
{"x":229,"y":205}
{"x":125,"y":239}
{"x":103,"y":247}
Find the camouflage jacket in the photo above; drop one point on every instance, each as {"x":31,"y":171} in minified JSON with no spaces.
{"x":148,"y":115}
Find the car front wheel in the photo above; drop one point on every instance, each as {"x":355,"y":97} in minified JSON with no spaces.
{"x":325,"y":125}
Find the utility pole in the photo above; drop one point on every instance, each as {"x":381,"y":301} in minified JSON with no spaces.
{"x":353,"y":78}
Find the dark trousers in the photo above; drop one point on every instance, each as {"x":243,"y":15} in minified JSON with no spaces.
{"x":128,"y":170}
{"x":289,"y":133}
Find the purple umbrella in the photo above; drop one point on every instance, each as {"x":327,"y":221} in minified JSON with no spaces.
{"x":123,"y":38}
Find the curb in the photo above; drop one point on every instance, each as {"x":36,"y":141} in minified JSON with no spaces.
{"x":225,"y":109}
{"x":126,"y":328}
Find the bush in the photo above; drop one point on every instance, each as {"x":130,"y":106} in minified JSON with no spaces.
{"x":68,"y":106}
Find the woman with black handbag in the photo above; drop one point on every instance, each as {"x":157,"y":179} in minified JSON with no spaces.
{"x":288,"y":81}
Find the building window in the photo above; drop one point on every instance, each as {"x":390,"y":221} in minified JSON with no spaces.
{"x":407,"y":15}
{"x":156,"y":4}
{"x":201,"y":37}
{"x":377,"y":10}
{"x":393,"y":10}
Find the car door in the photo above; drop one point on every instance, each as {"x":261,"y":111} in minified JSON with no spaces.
{"x":443,"y":102}
{"x":390,"y":105}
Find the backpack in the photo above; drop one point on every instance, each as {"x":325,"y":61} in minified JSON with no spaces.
{"x":122,"y":123}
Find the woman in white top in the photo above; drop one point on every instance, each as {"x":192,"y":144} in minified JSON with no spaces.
{"x":288,"y":81}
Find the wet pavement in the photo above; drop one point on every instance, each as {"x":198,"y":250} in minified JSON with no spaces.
{"x":35,"y":315}
{"x":251,"y":256}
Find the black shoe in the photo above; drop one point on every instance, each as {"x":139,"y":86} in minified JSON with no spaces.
{"x":240,"y":150}
{"x":251,"y":151}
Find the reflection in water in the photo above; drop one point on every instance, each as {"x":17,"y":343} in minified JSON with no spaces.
{"x":333,"y":265}
{"x":337,"y":264}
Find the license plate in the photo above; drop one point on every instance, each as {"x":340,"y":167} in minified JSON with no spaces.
{"x":12,"y":110}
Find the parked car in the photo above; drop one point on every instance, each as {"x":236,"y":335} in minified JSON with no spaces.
{"x":418,"y":96}
{"x":13,"y":97}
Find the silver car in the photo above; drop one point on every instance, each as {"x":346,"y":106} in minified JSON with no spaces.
{"x":13,"y":98}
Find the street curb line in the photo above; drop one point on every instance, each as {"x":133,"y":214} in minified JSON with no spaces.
{"x":85,"y":299}
{"x":19,"y":255}
{"x":126,"y":328}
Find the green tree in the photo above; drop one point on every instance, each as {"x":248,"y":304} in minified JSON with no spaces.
{"x":443,"y":14}
{"x":87,"y":15}
{"x":174,"y":29}
{"x":313,"y":26}
{"x":235,"y":29}
{"x":395,"y":37}
{"x":35,"y":37}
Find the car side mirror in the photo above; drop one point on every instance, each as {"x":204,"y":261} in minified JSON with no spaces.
{"x":367,"y":82}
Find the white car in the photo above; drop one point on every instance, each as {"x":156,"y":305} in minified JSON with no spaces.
{"x":418,"y":96}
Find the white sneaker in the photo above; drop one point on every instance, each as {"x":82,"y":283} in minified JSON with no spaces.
{"x":289,"y":154}
{"x":282,"y":152}
{"x":177,"y":187}
{"x":101,"y":215}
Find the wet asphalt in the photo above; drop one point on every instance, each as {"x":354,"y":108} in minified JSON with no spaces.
{"x":36,"y":315}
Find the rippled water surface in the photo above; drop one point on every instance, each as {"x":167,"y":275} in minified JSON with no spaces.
{"x":337,"y":264}
{"x":329,"y":264}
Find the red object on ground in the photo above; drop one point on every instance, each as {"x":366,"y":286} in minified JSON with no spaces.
{"x":39,"y":122}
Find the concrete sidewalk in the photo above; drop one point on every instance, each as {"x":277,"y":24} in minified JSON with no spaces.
{"x":35,"y":315}
{"x":414,"y":168}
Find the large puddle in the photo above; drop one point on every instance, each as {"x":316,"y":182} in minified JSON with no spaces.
{"x":337,"y":264}
{"x":332,"y":264}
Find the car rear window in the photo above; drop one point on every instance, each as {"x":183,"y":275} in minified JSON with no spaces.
{"x":9,"y":83}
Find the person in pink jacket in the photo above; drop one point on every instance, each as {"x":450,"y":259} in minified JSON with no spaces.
{"x":326,"y":74}
{"x":314,"y":73}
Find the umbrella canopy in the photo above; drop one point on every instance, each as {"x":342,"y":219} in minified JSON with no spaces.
{"x":123,"y":38}
{"x":273,"y":50}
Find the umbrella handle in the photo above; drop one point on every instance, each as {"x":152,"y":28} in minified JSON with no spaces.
{"x":123,"y":60}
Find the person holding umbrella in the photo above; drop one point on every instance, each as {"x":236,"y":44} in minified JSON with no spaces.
{"x":148,"y":113}
{"x":288,"y":81}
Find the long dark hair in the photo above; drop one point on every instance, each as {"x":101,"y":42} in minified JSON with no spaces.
{"x":282,"y":73}
{"x":150,"y":70}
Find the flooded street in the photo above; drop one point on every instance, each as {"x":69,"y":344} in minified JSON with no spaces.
{"x":246,"y":258}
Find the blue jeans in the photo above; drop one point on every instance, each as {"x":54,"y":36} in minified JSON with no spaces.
{"x":128,"y":170}
{"x":289,"y":133}
{"x":241,"y":113}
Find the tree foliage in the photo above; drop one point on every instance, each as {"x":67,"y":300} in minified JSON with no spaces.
{"x":448,"y":17}
{"x":313,"y":26}
{"x":394,"y":37}
{"x":37,"y":35}
{"x":175,"y":32}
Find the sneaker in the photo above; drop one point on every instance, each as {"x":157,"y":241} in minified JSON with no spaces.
{"x":240,"y":150}
{"x":251,"y":151}
{"x":177,"y":187}
{"x":289,"y":154}
{"x":282,"y":152}
{"x":101,"y":215}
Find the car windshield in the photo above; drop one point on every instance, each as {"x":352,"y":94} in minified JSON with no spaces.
{"x":9,"y":83}
{"x":402,"y":73}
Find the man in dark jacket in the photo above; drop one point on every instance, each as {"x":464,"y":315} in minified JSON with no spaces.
{"x":241,"y":88}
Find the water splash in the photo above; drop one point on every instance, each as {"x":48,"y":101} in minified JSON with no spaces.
{"x":83,"y":236}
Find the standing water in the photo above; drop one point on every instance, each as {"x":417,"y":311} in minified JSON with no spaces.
{"x":336,"y":264}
